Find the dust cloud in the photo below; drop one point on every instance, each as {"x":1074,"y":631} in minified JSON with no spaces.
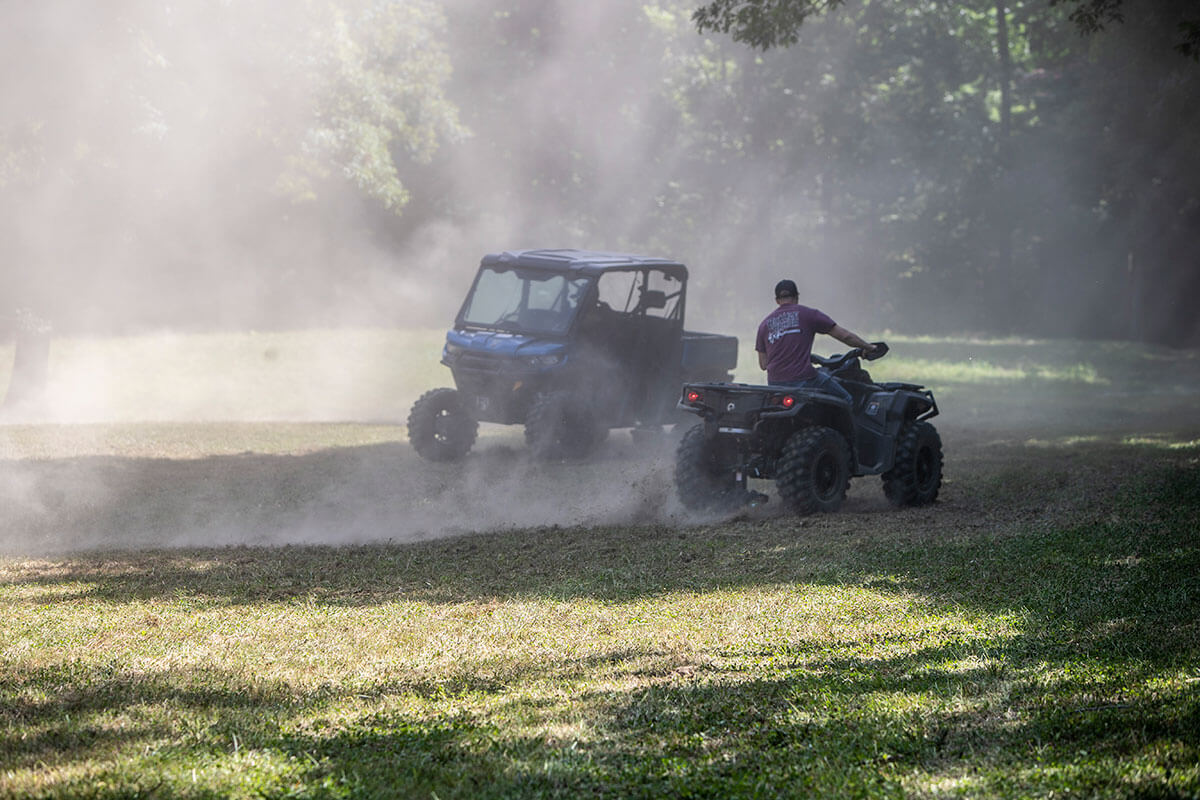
{"x":366,"y":494}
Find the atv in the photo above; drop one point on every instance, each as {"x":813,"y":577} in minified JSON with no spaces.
{"x":808,"y":441}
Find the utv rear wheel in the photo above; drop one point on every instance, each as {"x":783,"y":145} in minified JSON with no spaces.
{"x":439,"y":427}
{"x":559,"y":426}
{"x":916,"y":475}
{"x":814,"y":470}
{"x":703,"y":482}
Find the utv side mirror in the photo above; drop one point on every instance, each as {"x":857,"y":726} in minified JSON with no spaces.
{"x":652,"y":298}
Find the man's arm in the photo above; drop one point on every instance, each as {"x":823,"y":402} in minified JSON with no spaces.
{"x":850,"y":338}
{"x":762,"y":360}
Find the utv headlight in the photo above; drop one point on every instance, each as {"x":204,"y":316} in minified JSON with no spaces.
{"x":452,"y":349}
{"x":545,"y":361}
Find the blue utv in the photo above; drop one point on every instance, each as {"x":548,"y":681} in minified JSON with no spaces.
{"x":570,"y":344}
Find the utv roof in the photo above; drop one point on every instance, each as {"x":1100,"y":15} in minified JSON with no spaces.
{"x":588,"y":262}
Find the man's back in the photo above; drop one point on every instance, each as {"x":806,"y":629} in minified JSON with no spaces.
{"x":786,"y":337}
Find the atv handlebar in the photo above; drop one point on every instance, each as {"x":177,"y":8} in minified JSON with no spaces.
{"x":881,"y":350}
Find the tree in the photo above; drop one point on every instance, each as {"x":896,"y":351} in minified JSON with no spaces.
{"x":151,"y":146}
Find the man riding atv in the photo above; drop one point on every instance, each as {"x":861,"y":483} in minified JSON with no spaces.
{"x":809,"y":430}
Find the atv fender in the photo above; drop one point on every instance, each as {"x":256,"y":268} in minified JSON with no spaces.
{"x":823,"y":409}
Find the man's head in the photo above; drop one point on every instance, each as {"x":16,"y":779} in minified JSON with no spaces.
{"x":786,"y":292}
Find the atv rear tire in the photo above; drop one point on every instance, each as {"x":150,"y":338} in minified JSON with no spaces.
{"x":702,"y":482}
{"x":916,"y":475}
{"x":558,"y":426}
{"x":439,"y":427}
{"x":814,"y":470}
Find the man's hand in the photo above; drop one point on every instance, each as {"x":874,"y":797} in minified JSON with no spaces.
{"x":850,"y":339}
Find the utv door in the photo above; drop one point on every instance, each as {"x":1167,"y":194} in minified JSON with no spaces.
{"x":633,"y":341}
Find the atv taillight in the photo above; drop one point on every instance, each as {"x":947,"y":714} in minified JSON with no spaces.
{"x":693,"y":396}
{"x":788,"y":401}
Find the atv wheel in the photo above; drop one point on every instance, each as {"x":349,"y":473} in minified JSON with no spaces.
{"x":916,"y":475}
{"x":701,"y":480}
{"x":814,"y":470}
{"x":439,"y":427}
{"x":559,"y":427}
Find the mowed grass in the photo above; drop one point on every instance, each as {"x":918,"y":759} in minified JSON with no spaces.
{"x":1035,"y":635}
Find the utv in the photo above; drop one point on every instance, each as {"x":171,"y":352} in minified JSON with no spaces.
{"x":568,"y":343}
{"x":809,"y":442}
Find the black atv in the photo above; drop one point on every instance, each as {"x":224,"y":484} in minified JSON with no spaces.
{"x":808,"y":441}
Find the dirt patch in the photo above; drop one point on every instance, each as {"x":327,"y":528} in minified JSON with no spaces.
{"x":994,"y":475}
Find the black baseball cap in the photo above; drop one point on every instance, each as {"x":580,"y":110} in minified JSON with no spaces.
{"x":786,"y":288}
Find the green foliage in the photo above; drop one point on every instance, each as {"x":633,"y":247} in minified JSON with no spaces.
{"x":347,"y":86}
{"x":760,"y":23}
{"x":379,"y":69}
{"x":945,"y":183}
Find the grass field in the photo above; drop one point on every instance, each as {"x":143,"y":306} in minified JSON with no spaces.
{"x":269,"y":595}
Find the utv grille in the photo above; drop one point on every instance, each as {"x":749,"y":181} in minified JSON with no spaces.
{"x":482,"y":363}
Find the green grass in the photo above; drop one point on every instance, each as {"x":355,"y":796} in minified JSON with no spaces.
{"x":1035,"y":634}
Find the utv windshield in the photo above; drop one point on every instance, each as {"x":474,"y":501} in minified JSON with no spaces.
{"x":523,"y":301}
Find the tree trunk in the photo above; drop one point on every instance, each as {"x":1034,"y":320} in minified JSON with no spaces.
{"x":1002,"y":47}
{"x":1004,"y":155}
{"x":31,"y":361}
{"x":1133,"y":296}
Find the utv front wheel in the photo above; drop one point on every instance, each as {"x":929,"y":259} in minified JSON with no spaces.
{"x":439,"y":427}
{"x":916,"y":475}
{"x":703,"y":482}
{"x":814,"y":470}
{"x":558,"y":426}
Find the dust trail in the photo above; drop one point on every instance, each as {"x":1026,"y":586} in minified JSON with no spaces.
{"x":343,"y":496}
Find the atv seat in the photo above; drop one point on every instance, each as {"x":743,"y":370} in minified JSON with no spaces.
{"x":859,"y":391}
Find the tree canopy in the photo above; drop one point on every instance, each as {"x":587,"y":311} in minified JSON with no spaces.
{"x":776,"y":23}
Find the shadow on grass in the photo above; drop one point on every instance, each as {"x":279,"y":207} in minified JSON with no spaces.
{"x":826,"y":728}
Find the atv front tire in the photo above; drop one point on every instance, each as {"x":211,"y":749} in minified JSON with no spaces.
{"x":814,"y":470}
{"x":439,"y":427}
{"x":916,"y":475}
{"x":702,"y":482}
{"x":559,"y":426}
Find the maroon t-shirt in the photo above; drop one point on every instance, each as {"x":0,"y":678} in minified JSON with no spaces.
{"x":786,"y":336}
